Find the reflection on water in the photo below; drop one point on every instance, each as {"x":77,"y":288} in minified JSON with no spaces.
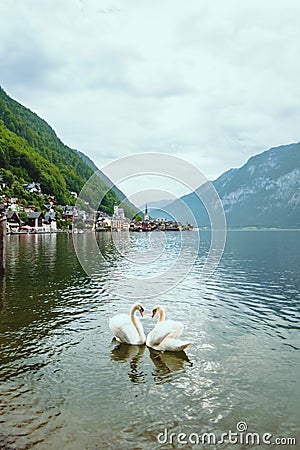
{"x":168,"y":365}
{"x":133,"y":354}
{"x":64,"y":384}
{"x":2,"y":291}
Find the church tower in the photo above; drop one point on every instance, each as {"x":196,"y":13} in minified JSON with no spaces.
{"x":146,"y":215}
{"x":116,"y":209}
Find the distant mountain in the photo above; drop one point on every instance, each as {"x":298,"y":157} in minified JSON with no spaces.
{"x":157,"y":213}
{"x":30,"y":151}
{"x":157,"y":209}
{"x":265,"y":192}
{"x":157,"y":203}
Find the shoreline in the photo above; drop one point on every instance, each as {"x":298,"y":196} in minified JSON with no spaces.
{"x":22,"y":233}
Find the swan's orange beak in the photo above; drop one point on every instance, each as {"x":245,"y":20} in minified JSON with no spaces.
{"x":141,"y":312}
{"x":153,"y":313}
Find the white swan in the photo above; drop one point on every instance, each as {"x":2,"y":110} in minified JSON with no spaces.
{"x":128,"y":329}
{"x":164,"y":335}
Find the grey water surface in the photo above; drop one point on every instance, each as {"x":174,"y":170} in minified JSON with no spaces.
{"x":66,"y":385}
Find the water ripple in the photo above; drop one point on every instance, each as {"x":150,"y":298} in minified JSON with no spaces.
{"x":65,"y":384}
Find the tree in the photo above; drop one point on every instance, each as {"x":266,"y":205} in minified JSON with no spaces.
{"x":80,"y":225}
{"x":23,"y":217}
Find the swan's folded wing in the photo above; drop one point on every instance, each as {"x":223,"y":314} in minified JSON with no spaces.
{"x":123,"y":329}
{"x":126,"y":334}
{"x":173,"y":345}
{"x":175,"y":327}
{"x":168,"y":328}
{"x":118,"y":321}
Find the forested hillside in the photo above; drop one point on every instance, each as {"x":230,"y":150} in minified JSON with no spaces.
{"x":30,"y":151}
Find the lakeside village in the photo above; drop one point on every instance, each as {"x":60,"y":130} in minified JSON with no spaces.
{"x":58,"y":218}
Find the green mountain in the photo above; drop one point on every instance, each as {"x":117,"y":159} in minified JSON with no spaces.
{"x":30,"y":151}
{"x":127,"y":205}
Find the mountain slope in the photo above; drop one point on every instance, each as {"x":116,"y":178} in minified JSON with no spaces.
{"x":265,"y":192}
{"x":129,"y":207}
{"x":43,"y":140}
{"x":31,"y":151}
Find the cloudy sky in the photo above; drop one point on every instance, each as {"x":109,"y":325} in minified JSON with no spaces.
{"x":213,"y":82}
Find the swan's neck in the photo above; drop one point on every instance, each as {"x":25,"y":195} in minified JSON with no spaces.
{"x":161,"y":315}
{"x":135,"y":323}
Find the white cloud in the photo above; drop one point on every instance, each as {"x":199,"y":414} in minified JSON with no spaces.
{"x":212,"y":82}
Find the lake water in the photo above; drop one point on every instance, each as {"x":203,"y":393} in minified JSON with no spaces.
{"x":66,"y":385}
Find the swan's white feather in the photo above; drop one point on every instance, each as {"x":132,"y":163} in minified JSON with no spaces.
{"x":124,"y":330}
{"x":162,"y":330}
{"x":172,"y":345}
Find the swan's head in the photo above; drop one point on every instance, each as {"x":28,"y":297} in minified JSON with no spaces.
{"x":157,"y":309}
{"x":139,"y":307}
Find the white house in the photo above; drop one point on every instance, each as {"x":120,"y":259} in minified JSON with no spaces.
{"x":33,"y":187}
{"x":50,"y":221}
{"x":119,"y":221}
